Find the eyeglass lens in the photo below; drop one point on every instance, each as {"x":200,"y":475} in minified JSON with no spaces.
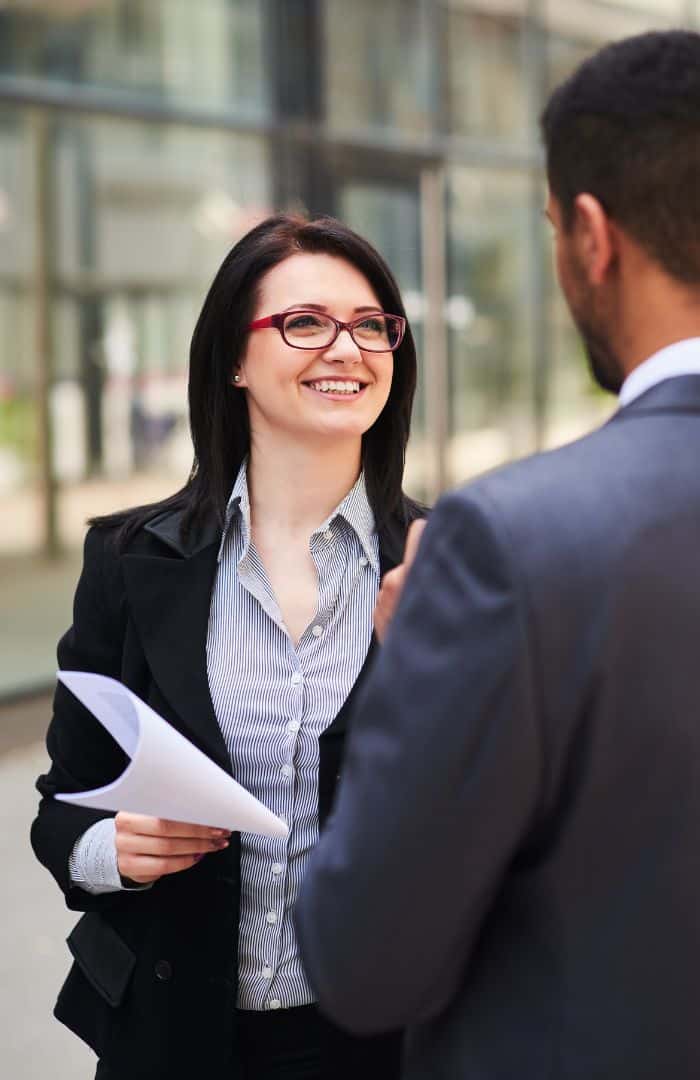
{"x":310,"y":330}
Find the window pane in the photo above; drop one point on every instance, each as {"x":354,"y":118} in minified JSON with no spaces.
{"x":206,"y":53}
{"x":19,"y":496}
{"x":141,"y":229}
{"x":378,"y":64}
{"x":488,"y":315}
{"x":389,"y":216}
{"x":487,"y":64}
{"x":591,"y":20}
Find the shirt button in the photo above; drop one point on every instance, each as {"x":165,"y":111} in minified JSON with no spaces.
{"x":317,"y":631}
{"x":277,"y":868}
{"x":363,"y":561}
{"x":287,"y":771}
{"x":328,"y":535}
{"x":274,"y":1003}
{"x":271,"y":917}
{"x":293,"y":726}
{"x":267,"y":972}
{"x":296,"y":678}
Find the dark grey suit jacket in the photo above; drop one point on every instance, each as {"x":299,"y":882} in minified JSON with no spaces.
{"x":513,"y":864}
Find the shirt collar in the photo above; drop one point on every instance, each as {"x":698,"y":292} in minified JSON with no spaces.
{"x":354,"y":509}
{"x":682,"y":358}
{"x":238,"y":503}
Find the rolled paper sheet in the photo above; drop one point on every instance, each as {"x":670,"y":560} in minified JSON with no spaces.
{"x":167,"y":776}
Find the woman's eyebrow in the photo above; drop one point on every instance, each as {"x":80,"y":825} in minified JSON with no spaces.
{"x":322,"y":307}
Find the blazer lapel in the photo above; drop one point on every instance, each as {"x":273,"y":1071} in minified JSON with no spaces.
{"x":169,"y":597}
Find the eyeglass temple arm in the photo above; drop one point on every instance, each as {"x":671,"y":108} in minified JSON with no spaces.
{"x":261,"y":324}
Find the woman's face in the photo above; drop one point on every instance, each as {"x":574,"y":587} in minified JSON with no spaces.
{"x":287,"y":388}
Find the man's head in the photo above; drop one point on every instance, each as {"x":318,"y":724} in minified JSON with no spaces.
{"x":622,"y":139}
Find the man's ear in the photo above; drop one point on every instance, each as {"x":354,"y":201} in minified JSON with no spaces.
{"x":596,"y":241}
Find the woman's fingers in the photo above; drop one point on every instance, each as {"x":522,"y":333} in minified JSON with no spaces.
{"x":146,"y":868}
{"x":135,"y":844}
{"x":152,"y":826}
{"x":415,"y":531}
{"x":387,"y":599}
{"x":149,"y":848}
{"x":393,"y":582}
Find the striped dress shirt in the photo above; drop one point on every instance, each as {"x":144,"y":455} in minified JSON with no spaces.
{"x":273,"y":699}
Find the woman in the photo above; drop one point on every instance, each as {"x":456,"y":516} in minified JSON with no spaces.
{"x":240,"y":608}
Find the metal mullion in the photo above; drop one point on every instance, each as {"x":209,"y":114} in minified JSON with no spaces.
{"x":434,"y":272}
{"x":43,"y":275}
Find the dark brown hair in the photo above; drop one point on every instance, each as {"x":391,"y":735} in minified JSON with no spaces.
{"x":219,"y":414}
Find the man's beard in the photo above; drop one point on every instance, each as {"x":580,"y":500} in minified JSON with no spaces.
{"x":603,"y":361}
{"x":587,"y":310}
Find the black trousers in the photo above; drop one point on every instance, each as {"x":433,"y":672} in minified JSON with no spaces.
{"x":300,"y":1044}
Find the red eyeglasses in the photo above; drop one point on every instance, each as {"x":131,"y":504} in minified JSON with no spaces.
{"x":303,"y":329}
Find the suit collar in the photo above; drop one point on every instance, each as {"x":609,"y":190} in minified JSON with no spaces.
{"x":680,"y":358}
{"x":679,"y":393}
{"x":166,"y":527}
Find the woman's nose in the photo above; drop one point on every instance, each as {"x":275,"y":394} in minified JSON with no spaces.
{"x":344,"y":349}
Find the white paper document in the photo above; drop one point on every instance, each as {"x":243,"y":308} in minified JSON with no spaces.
{"x":167,"y":777}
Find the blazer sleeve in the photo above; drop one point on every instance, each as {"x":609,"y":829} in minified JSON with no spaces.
{"x":81,"y":752}
{"x":439,"y":787}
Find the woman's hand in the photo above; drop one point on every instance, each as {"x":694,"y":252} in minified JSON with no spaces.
{"x":393,"y":581}
{"x":148,"y":848}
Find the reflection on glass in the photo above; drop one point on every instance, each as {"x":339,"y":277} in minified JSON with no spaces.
{"x":488,"y":314}
{"x":563,"y":57}
{"x":389,"y":216}
{"x":378,"y":64}
{"x":592,"y":20}
{"x":487,"y":68}
{"x":141,"y":229}
{"x":18,"y":414}
{"x":208,"y":53}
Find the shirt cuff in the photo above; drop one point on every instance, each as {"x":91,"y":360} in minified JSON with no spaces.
{"x":93,"y":861}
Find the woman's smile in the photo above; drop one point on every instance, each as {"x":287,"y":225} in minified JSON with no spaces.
{"x":337,"y":389}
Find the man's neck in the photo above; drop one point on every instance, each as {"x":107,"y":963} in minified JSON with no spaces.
{"x":655,"y":312}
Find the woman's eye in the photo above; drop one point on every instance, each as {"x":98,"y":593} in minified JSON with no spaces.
{"x":303,"y":322}
{"x":372,"y":326}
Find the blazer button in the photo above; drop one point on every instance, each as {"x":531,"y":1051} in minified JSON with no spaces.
{"x":163,"y":969}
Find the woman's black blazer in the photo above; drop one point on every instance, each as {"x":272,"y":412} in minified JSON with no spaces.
{"x":154,"y":981}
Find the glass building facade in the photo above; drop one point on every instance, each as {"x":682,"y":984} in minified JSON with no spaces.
{"x":140,"y":138}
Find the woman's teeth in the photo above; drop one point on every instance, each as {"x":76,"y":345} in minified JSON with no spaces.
{"x":336,"y":386}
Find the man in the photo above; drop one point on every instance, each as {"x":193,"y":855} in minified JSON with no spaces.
{"x":513,"y":866}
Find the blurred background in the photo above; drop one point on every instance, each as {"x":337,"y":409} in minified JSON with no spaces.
{"x":139,"y":139}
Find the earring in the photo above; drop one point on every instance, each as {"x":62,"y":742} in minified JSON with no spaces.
{"x":236,"y":378}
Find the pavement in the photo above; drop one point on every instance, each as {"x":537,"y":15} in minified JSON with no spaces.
{"x":34,"y":923}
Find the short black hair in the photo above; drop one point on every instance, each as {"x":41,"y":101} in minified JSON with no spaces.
{"x":625,"y":127}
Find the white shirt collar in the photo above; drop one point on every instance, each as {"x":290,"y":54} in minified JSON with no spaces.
{"x":682,"y":358}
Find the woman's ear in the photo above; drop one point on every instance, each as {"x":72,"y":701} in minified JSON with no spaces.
{"x":237,"y":380}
